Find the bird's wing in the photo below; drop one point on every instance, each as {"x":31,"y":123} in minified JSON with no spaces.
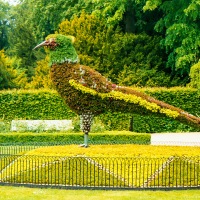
{"x":128,"y":100}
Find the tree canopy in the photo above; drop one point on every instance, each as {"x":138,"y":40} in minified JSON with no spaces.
{"x":133,"y":42}
{"x":4,"y":24}
{"x":180,"y":26}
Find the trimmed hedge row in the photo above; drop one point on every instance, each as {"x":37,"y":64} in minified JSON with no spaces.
{"x":33,"y":104}
{"x":185,"y":98}
{"x":70,"y":138}
{"x":47,"y":104}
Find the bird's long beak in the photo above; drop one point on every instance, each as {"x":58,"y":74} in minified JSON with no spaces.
{"x":40,"y":45}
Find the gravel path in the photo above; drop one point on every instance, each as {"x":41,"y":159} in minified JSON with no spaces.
{"x":176,"y":139}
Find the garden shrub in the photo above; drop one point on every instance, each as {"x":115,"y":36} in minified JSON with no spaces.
{"x":33,"y":104}
{"x":195,"y":76}
{"x":187,"y":99}
{"x":69,"y":137}
{"x":125,"y":58}
{"x":4,"y":126}
{"x":47,"y":104}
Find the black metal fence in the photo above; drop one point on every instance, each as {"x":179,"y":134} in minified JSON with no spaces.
{"x":21,"y":148}
{"x":100,"y":172}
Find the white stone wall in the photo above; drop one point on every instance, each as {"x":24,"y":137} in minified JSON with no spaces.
{"x":41,"y":125}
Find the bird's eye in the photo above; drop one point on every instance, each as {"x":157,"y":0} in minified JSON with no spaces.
{"x":51,"y":43}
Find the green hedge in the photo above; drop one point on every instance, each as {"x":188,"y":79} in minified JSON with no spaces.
{"x":105,"y":137}
{"x":33,"y":104}
{"x":185,"y":98}
{"x":46,"y":104}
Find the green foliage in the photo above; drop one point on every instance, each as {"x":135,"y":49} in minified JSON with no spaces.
{"x":70,"y":138}
{"x":195,"y":76}
{"x":143,"y":62}
{"x":46,"y":104}
{"x":10,"y":75}
{"x":115,"y":120}
{"x":41,"y":79}
{"x":118,"y":99}
{"x":29,"y":137}
{"x":139,"y":61}
{"x":125,"y":58}
{"x":21,"y":38}
{"x":45,"y":16}
{"x":185,"y":98}
{"x":64,"y":52}
{"x":97,"y":126}
{"x":33,"y":104}
{"x":93,"y":40}
{"x":152,"y":4}
{"x":4,"y":25}
{"x":5,"y":76}
{"x":103,"y":45}
{"x":4,"y":126}
{"x":180,"y":24}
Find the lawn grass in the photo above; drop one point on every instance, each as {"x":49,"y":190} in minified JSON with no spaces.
{"x":21,"y":193}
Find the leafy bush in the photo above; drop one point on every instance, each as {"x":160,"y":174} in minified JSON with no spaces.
{"x":184,"y":98}
{"x":195,"y":76}
{"x":11,"y":76}
{"x":126,"y":58}
{"x":33,"y":104}
{"x":41,"y":79}
{"x":46,"y":104}
{"x":4,"y":126}
{"x":68,"y":137}
{"x":126,"y":150}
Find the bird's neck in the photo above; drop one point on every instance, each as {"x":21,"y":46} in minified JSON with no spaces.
{"x":62,"y":55}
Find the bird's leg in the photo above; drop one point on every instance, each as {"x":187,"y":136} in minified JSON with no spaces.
{"x":85,"y":124}
{"x":85,"y":139}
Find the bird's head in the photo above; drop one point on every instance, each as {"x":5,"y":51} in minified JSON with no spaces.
{"x":60,"y":48}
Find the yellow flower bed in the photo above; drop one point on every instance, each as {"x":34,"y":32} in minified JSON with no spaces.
{"x":126,"y":150}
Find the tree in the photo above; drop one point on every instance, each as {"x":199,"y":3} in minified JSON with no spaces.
{"x":128,"y":14}
{"x":4,"y":24}
{"x":22,"y":39}
{"x":41,"y":78}
{"x":46,"y":15}
{"x":195,"y":76}
{"x":10,"y":75}
{"x":126,"y":58}
{"x":180,"y":25}
{"x":33,"y":20}
{"x":154,"y":19}
{"x":5,"y":76}
{"x":30,"y":22}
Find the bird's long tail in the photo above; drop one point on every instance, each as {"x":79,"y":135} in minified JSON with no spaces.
{"x":124,"y":99}
{"x":183,"y":117}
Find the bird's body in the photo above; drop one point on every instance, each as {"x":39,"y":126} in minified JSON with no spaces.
{"x":62,"y":74}
{"x":88,"y":93}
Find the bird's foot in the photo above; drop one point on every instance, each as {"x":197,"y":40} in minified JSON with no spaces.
{"x":83,"y":145}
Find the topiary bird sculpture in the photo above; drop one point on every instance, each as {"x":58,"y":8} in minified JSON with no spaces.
{"x":88,"y":93}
